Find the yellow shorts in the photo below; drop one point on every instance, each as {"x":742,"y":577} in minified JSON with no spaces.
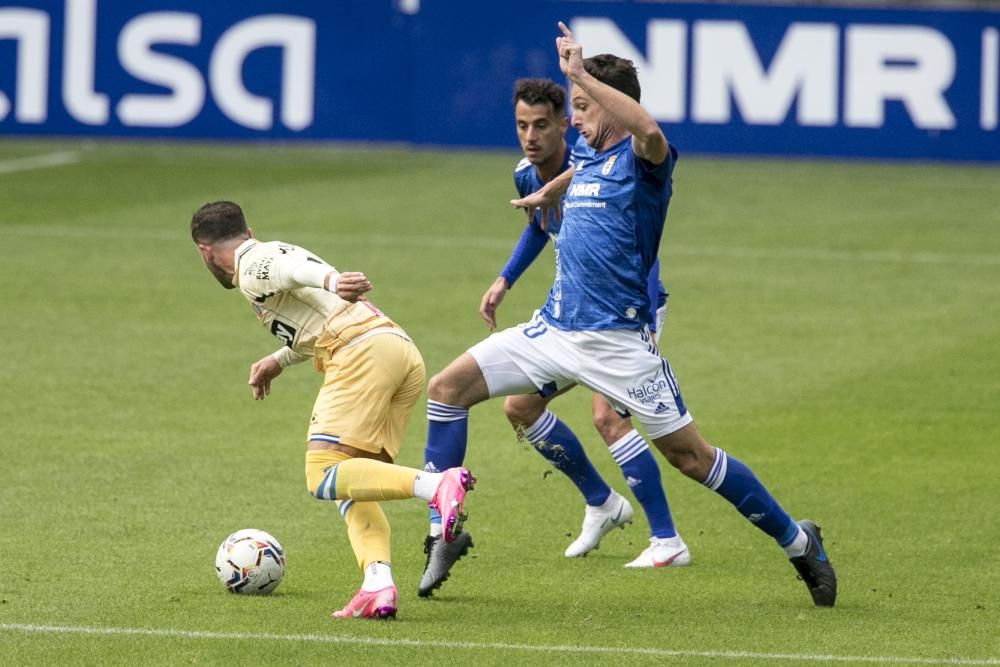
{"x":369,"y":389}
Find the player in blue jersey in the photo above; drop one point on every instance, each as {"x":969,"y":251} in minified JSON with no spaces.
{"x":539,"y":110}
{"x":615,"y":201}
{"x":594,"y":327}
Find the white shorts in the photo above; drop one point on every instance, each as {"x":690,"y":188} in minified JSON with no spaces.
{"x":621,"y":365}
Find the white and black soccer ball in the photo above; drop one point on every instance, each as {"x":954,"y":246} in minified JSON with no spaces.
{"x":250,"y":562}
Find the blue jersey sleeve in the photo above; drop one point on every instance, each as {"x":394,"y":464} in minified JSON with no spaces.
{"x":533,"y":238}
{"x":665,"y":169}
{"x":528,"y":247}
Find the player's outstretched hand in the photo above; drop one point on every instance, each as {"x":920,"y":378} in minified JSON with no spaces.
{"x":547,"y":200}
{"x":491,"y":301}
{"x":540,"y":201}
{"x":570,"y":53}
{"x":351,"y":285}
{"x":261,"y":374}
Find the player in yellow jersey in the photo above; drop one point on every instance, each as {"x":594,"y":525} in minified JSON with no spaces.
{"x":373,"y":375}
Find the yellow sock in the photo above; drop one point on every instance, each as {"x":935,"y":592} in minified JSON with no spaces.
{"x":368,"y":530}
{"x":367,"y":527}
{"x":335,"y":476}
{"x":367,"y":480}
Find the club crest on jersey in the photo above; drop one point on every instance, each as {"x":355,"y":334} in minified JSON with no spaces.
{"x":609,"y":164}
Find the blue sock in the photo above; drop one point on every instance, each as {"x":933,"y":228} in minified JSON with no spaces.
{"x":447,"y":437}
{"x":642,"y":474}
{"x":552,"y":439}
{"x":736,"y":483}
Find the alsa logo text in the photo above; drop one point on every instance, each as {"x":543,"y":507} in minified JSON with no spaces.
{"x":148,"y":48}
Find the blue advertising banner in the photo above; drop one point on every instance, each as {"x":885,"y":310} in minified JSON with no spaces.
{"x":720,"y":78}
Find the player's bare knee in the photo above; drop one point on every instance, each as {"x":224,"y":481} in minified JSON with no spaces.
{"x":443,"y":388}
{"x":461,"y":384}
{"x":523,"y":411}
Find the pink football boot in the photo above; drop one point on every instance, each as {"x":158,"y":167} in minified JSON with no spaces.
{"x":370,"y":604}
{"x":448,"y":500}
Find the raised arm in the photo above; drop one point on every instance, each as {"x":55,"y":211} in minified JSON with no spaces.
{"x":648,"y":140}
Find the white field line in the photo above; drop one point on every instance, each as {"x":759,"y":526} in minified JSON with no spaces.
{"x":486,"y":243}
{"x":480,"y":646}
{"x":44,"y":161}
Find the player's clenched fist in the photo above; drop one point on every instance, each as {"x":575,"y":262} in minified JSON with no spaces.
{"x":351,"y":285}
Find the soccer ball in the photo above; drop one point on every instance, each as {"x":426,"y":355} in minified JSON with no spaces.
{"x":250,"y":562}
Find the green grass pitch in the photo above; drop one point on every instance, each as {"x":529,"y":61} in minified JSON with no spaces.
{"x":834,"y":325}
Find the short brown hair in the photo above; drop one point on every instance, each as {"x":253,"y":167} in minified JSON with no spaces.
{"x":616,"y":72}
{"x":217,"y":221}
{"x":540,"y":91}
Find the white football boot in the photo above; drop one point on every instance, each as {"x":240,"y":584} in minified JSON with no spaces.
{"x":663,"y":552}
{"x":616,"y":512}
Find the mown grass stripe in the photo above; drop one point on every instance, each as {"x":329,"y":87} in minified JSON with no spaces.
{"x":31,"y":162}
{"x":732,"y":252}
